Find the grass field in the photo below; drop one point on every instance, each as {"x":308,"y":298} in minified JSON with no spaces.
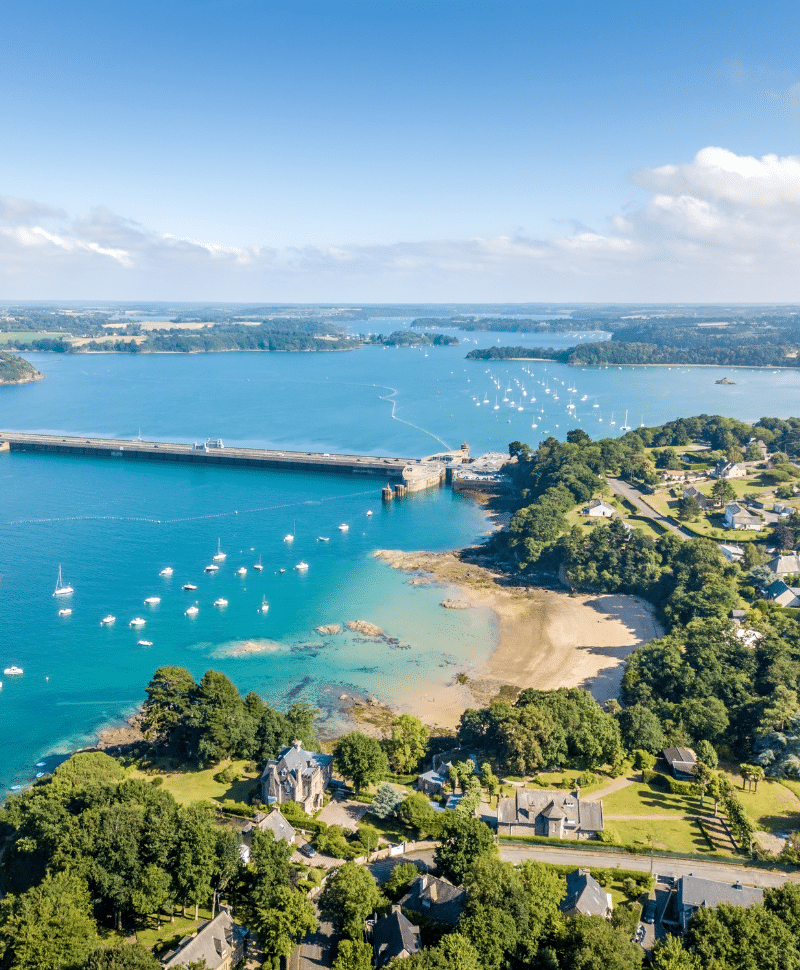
{"x":774,"y":807}
{"x":26,"y":336}
{"x":170,"y":934}
{"x":194,"y":786}
{"x":682,"y":835}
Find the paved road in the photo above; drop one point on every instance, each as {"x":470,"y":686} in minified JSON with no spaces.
{"x":315,"y":951}
{"x":641,"y":863}
{"x":640,"y":503}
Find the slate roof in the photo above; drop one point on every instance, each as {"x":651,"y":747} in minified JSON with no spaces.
{"x":213,"y":943}
{"x":785,"y":565}
{"x":274,"y":822}
{"x":293,"y":758}
{"x":694,"y":892}
{"x":584,"y":895}
{"x":437,"y":898}
{"x":527,"y":804}
{"x":681,"y":760}
{"x":392,"y":935}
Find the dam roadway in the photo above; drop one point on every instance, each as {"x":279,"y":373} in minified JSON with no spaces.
{"x":209,"y":453}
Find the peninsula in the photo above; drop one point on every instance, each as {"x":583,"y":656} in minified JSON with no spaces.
{"x":15,"y":370}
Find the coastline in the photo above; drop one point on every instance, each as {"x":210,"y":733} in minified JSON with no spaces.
{"x":545,"y":639}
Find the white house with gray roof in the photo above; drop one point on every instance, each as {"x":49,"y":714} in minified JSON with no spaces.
{"x":220,"y":942}
{"x":692,"y":892}
{"x":553,"y":814}
{"x":738,"y":517}
{"x":586,"y":896}
{"x":297,"y":775}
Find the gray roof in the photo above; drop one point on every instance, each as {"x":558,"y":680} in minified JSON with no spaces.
{"x":392,"y":935}
{"x":274,"y":822}
{"x":584,"y":895}
{"x":679,"y":756}
{"x":437,"y":898}
{"x":524,"y":808}
{"x":296,"y":759}
{"x":213,"y":943}
{"x":694,"y":892}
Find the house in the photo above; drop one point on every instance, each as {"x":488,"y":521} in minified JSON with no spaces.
{"x":438,"y":899}
{"x":555,"y":814}
{"x":731,"y":553}
{"x":784,"y":566}
{"x":737,"y":517}
{"x":275,"y":823}
{"x":586,"y":896}
{"x":220,"y":942}
{"x":297,"y":776}
{"x":681,"y":762}
{"x":726,"y":469}
{"x":778,"y":592}
{"x":597,"y":507}
{"x":436,"y":781}
{"x":392,"y":936}
{"x":691,"y":492}
{"x":691,"y":892}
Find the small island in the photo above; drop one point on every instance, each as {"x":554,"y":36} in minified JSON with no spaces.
{"x":15,"y":370}
{"x":724,"y":380}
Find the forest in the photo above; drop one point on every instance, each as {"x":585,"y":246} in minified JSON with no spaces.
{"x":15,"y":370}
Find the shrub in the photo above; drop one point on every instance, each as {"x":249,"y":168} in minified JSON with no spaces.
{"x":158,"y":781}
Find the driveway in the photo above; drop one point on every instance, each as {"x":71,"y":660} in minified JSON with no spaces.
{"x":346,"y":813}
{"x":315,"y":951}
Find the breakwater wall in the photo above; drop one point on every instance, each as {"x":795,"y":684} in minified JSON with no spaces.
{"x":208,"y":453}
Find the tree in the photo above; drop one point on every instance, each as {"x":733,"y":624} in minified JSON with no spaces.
{"x":348,"y":898}
{"x":643,"y":760}
{"x":386,"y":800}
{"x":783,"y":537}
{"x":669,"y":954}
{"x":400,"y":879}
{"x":641,"y":728}
{"x":706,"y":754}
{"x":590,"y":942}
{"x":740,"y":939}
{"x":284,"y":923}
{"x":170,"y":695}
{"x":49,"y":927}
{"x":784,"y":902}
{"x":353,"y":955}
{"x":489,"y":780}
{"x":360,"y":758}
{"x":407,"y":744}
{"x":416,"y":811}
{"x":492,"y":933}
{"x":722,"y":491}
{"x":153,"y":889}
{"x":123,"y":956}
{"x":689,"y":509}
{"x":463,"y":841}
{"x":195,"y":858}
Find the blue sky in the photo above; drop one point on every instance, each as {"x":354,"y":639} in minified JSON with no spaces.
{"x":390,"y":151}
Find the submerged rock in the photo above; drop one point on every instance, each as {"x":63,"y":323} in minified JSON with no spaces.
{"x":329,"y":628}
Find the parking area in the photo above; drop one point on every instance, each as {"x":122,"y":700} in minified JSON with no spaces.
{"x":344,"y":812}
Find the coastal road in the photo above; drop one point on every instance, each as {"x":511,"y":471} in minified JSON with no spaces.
{"x":639,"y":502}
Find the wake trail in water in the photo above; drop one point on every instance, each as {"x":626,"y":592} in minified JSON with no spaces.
{"x":188,"y":518}
{"x":388,"y":397}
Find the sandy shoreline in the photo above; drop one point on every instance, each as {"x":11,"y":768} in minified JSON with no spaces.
{"x":546,"y":639}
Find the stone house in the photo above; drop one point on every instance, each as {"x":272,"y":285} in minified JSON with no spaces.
{"x":554,"y":814}
{"x":778,"y":592}
{"x":691,"y":492}
{"x":737,"y":517}
{"x":392,"y":937}
{"x":274,"y":822}
{"x":726,"y":469}
{"x":690,"y":893}
{"x":585,"y":895}
{"x":220,"y":942}
{"x":783,"y":566}
{"x":297,"y":776}
{"x":438,"y":899}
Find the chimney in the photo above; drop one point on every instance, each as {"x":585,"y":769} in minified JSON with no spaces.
{"x":297,"y":745}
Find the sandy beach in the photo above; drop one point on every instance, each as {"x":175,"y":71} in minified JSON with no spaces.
{"x":546,"y":639}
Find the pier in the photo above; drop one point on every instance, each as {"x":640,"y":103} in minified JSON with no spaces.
{"x":211,"y":452}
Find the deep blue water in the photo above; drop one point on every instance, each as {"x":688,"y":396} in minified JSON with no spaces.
{"x":101,"y":520}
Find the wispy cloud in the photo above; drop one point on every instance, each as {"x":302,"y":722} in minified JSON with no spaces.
{"x":719,"y":226}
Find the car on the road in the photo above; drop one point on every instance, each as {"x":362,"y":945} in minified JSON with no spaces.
{"x":649,"y":914}
{"x":308,"y":850}
{"x":640,"y":932}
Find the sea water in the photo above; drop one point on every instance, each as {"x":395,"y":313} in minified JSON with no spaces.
{"x":114,"y":526}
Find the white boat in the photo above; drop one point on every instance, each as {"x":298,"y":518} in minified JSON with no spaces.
{"x":323,"y":539}
{"x":344,"y":527}
{"x":369,"y":512}
{"x":166,"y":571}
{"x":281,"y":570}
{"x":264,"y":605}
{"x":152,"y":600}
{"x":220,"y":602}
{"x":258,"y":565}
{"x":212,"y":567}
{"x":302,"y":567}
{"x":61,"y":589}
{"x":625,"y":426}
{"x":192,"y":611}
{"x":144,"y":643}
{"x":189,"y":586}
{"x":108,"y":620}
{"x":288,"y":538}
{"x":65,"y":612}
{"x":220,"y":556}
{"x":13,"y":671}
{"x":241,"y":571}
{"x":496,"y":405}
{"x":595,"y":405}
{"x":137,"y":621}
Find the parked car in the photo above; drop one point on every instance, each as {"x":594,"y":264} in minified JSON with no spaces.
{"x":309,"y":851}
{"x":649,"y":915}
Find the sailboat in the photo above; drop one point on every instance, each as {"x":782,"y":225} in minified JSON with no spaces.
{"x":61,"y":589}
{"x":258,"y":565}
{"x":264,"y":605}
{"x":625,"y":426}
{"x":290,"y":536}
{"x":220,"y":556}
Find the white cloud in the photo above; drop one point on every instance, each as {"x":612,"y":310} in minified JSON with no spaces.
{"x":718,"y":227}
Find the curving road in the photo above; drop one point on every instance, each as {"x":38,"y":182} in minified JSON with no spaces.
{"x":639,"y":502}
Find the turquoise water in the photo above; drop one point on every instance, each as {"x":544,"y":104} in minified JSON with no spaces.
{"x":101,"y":520}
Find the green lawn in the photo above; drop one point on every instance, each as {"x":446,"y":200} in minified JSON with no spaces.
{"x":27,"y":336}
{"x":170,"y":934}
{"x":682,"y":835}
{"x":194,"y":786}
{"x":774,"y":807}
{"x":553,"y":779}
{"x":642,"y":799}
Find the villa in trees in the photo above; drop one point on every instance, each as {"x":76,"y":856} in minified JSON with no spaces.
{"x":553,"y":814}
{"x":297,"y":776}
{"x":220,"y":943}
